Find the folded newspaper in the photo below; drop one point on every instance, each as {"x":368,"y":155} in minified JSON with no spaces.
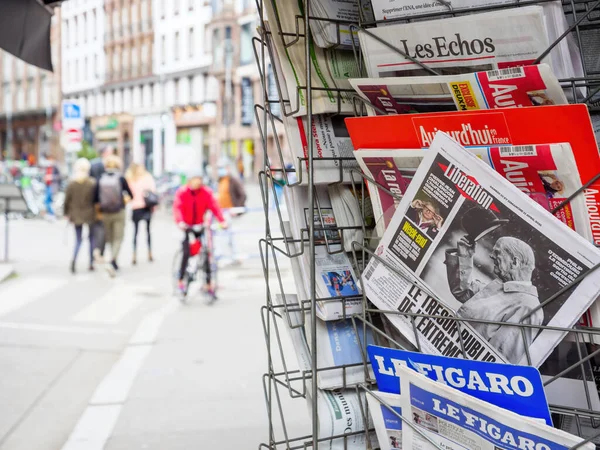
{"x":490,"y":255}
{"x":428,"y":414}
{"x":335,"y":30}
{"x":330,"y":139}
{"x":335,"y":277}
{"x":339,"y":410}
{"x":547,"y":173}
{"x":569,"y":62}
{"x":477,"y":42}
{"x":503,"y":88}
{"x":330,"y":68}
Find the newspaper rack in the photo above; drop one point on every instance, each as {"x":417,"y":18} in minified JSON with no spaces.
{"x":276,"y":248}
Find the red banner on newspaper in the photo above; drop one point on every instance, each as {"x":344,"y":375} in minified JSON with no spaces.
{"x":510,"y":126}
{"x":520,"y":86}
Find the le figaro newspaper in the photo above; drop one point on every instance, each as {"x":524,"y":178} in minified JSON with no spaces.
{"x":428,"y":414}
{"x":465,"y":243}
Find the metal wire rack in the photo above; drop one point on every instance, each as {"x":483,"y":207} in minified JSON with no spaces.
{"x":286,"y":387}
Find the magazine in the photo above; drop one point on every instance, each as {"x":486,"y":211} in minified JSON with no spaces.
{"x":565,"y":58}
{"x":473,"y":246}
{"x":437,"y":416}
{"x":471,"y":43}
{"x":331,"y":68}
{"x":547,"y":173}
{"x":503,"y":88}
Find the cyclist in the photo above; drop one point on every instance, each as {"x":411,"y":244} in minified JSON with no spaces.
{"x":191,"y":203}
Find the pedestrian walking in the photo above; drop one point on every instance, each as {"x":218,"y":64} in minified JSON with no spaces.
{"x":52,"y":181}
{"x":79,"y":207}
{"x":230,"y":194}
{"x":109,"y":198}
{"x":96,"y":171}
{"x":143,"y":202}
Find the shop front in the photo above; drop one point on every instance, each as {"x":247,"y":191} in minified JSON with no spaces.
{"x":116,"y":131}
{"x":192,"y":148}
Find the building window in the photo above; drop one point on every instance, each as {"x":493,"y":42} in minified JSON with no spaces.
{"x":163,"y":8}
{"x":95,"y":68}
{"x":217,"y":48}
{"x":31,"y":97}
{"x":216,"y":6}
{"x":115,"y":23}
{"x":191,"y":42}
{"x":177,"y":45}
{"x":246,"y":51}
{"x":176,"y":7}
{"x":227,"y":33}
{"x":176,"y":95}
{"x":85,"y":27}
{"x":93,"y":25}
{"x":76,"y":78}
{"x":163,"y":50}
{"x":191,"y":6}
{"x":76,"y":31}
{"x":191,"y":89}
{"x":86,"y":69}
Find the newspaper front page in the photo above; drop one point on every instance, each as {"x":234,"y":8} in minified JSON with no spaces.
{"x":330,"y":68}
{"x":477,"y":248}
{"x":504,"y":88}
{"x":436,"y":413}
{"x":547,"y":173}
{"x":565,"y":58}
{"x":473,"y":43}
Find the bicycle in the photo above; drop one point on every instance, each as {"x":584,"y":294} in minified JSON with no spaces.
{"x":201,"y":253}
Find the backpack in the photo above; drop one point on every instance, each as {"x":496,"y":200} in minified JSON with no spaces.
{"x":110,"y":193}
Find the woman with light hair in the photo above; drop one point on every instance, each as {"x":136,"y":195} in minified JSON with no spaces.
{"x":79,"y":207}
{"x":144,"y":201}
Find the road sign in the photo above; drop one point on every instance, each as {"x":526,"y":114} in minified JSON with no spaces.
{"x":74,"y":135}
{"x":72,"y":115}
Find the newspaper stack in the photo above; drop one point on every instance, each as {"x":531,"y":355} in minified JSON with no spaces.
{"x":494,"y":40}
{"x":330,"y":68}
{"x":335,"y":277}
{"x":428,"y":414}
{"x":491,"y":255}
{"x":330,"y":137}
{"x":331,"y":400}
{"x":328,"y":33}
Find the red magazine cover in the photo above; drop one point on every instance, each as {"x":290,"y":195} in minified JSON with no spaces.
{"x":510,"y":126}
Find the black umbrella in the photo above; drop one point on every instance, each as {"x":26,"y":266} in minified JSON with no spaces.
{"x":25,"y":31}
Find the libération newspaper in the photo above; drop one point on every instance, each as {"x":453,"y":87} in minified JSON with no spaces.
{"x":469,"y":244}
{"x":433,"y":415}
{"x":331,"y":68}
{"x":503,"y":88}
{"x":476,"y":42}
{"x":566,"y":59}
{"x":547,"y":173}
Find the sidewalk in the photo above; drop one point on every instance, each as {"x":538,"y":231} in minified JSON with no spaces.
{"x":199,"y":384}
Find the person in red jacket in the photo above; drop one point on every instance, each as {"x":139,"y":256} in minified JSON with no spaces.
{"x":191,"y":203}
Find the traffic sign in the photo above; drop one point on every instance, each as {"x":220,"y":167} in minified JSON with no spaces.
{"x":74,"y":135}
{"x":72,"y":115}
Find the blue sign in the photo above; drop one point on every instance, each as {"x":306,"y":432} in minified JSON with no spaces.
{"x":515,"y":388}
{"x":71,"y":110}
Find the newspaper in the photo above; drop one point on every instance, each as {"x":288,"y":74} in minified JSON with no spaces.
{"x":434,"y":415}
{"x":339,"y":410}
{"x":329,"y":135}
{"x":330,"y":68}
{"x":340,"y":345}
{"x":547,"y":173}
{"x":565,"y":58}
{"x":334,"y":275}
{"x":504,"y":88}
{"x":328,"y":33}
{"x":352,"y":210}
{"x":478,"y":42}
{"x":474,"y":246}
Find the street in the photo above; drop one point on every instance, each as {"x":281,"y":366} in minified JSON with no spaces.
{"x":90,"y":362}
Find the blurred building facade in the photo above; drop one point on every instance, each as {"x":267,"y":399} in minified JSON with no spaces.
{"x":170,"y":83}
{"x":30,"y":103}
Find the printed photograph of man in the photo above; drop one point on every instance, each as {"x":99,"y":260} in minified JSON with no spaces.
{"x":426,"y":216}
{"x":510,"y":297}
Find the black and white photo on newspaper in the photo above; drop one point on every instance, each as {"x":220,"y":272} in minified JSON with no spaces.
{"x":473,"y":246}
